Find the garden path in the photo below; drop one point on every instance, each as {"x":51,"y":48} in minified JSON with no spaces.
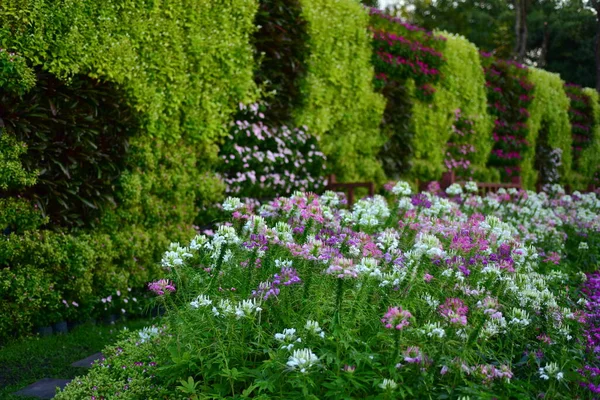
{"x":46,"y":388}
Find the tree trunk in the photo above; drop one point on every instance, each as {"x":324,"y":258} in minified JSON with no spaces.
{"x":544,"y":56}
{"x":520,"y":30}
{"x":598,"y":48}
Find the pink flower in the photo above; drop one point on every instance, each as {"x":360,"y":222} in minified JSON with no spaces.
{"x":161,"y":287}
{"x":396,"y":318}
{"x":427,"y":277}
{"x":455,"y":311}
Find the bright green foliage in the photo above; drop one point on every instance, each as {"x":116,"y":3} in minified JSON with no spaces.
{"x":340,"y":106}
{"x":462,"y":87}
{"x":549,"y":108}
{"x":15,"y":75}
{"x":11,"y":170}
{"x":588,"y":165}
{"x":185,"y":64}
{"x":183,"y":67}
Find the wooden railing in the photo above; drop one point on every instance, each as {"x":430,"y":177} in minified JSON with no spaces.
{"x":484,"y":187}
{"x":348,"y":188}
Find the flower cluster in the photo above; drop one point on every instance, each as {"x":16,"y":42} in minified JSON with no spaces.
{"x":487,"y":287}
{"x":262,"y":161}
{"x":509,"y":98}
{"x":581,"y":116}
{"x":459,"y":151}
{"x":402,"y":51}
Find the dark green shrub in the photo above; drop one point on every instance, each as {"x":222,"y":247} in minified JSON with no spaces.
{"x":181,"y":67}
{"x":77,"y":140}
{"x":281,"y":43}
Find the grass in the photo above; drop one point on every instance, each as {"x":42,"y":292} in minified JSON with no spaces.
{"x":27,"y":360}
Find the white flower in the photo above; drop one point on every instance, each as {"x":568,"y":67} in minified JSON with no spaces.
{"x":175,"y":256}
{"x":471,"y":187}
{"x":433,"y":330}
{"x":402,"y":189}
{"x":232,"y":204}
{"x":388,"y":384}
{"x":198,"y":242}
{"x":314,"y":328}
{"x":246,"y":308}
{"x":148,"y":333}
{"x":454,"y":190}
{"x":583,"y":246}
{"x":201,"y":301}
{"x":302,"y":360}
{"x":288,"y":338}
{"x":550,"y":371}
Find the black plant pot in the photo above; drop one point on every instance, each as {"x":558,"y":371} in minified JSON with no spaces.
{"x":44,"y":331}
{"x":73,"y":324}
{"x":60,"y":327}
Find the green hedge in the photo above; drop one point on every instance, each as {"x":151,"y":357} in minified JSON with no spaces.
{"x":587,"y":168}
{"x":340,"y":105}
{"x":550,"y":107}
{"x":462,"y":86}
{"x":183,"y":66}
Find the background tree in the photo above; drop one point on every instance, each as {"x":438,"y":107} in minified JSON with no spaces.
{"x":562,"y":36}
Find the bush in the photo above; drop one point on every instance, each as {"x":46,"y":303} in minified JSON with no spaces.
{"x":509,"y":92}
{"x":461,"y":88}
{"x":403,"y":56}
{"x":182,"y":94}
{"x":339,"y":104}
{"x":281,"y":44}
{"x":77,"y":141}
{"x":262,"y":161}
{"x":550,"y":106}
{"x":584,"y":115}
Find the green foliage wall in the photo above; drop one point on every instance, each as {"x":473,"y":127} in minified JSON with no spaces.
{"x":588,"y":166}
{"x":550,"y":106}
{"x":183,"y":67}
{"x":462,"y":86}
{"x":340,"y":106}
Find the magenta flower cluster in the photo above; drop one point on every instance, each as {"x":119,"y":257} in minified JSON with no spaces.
{"x":161,"y":287}
{"x":396,"y":318}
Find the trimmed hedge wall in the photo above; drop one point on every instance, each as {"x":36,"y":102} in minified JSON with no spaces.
{"x":462,"y":87}
{"x":183,"y":66}
{"x":550,"y":106}
{"x":340,"y":105}
{"x":589,"y":163}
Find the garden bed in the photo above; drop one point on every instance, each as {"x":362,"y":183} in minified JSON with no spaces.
{"x":422,"y":295}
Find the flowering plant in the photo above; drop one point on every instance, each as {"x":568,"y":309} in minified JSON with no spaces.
{"x":403,"y":51}
{"x":459,"y":149}
{"x":581,"y":115}
{"x":261,"y":161}
{"x":462,"y":296}
{"x":509,"y":98}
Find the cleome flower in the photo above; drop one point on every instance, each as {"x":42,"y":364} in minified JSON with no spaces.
{"x":314,"y":328}
{"x":247,"y":308}
{"x":302,"y":360}
{"x":201,"y":301}
{"x":455,"y":311}
{"x":551,"y":370}
{"x":396,"y":318}
{"x":288,"y":338}
{"x":161,"y":287}
{"x":388,"y":384}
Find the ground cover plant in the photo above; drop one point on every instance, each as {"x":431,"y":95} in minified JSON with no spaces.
{"x":26,"y":360}
{"x":428,"y":295}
